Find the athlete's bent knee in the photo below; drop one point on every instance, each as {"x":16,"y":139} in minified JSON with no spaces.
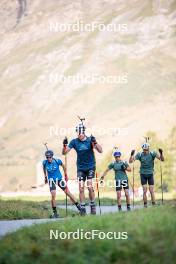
{"x":90,"y":189}
{"x":81,"y":189}
{"x":151,"y":188}
{"x":53,"y":195}
{"x":118,"y":195}
{"x":144,"y":189}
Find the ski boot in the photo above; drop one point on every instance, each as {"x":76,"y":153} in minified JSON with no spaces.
{"x":119,"y":208}
{"x":128,"y":207}
{"x":54,"y":215}
{"x":82,"y":210}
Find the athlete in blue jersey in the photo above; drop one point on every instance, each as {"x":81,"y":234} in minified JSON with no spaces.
{"x":53,"y":176}
{"x":86,"y":164}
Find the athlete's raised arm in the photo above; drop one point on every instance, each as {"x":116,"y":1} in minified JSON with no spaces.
{"x":96,"y":145}
{"x":65,"y":149}
{"x":132,"y":157}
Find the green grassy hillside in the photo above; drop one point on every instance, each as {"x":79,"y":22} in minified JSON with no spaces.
{"x":151,"y":239}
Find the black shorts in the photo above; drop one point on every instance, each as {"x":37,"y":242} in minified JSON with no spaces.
{"x":86,"y":175}
{"x":121,"y":184}
{"x":53,"y":183}
{"x":147,"y":178}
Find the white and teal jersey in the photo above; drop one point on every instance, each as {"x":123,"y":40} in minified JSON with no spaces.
{"x":120,"y":174}
{"x":147,"y":161}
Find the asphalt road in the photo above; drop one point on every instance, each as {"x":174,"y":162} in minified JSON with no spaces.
{"x":9,"y":226}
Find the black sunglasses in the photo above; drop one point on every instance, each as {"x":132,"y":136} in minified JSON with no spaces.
{"x":48,"y":157}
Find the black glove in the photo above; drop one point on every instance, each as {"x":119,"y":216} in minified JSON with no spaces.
{"x":132,"y":152}
{"x":160,"y":151}
{"x":93,"y":140}
{"x":123,"y":167}
{"x":46,"y":180}
{"x":65,"y":141}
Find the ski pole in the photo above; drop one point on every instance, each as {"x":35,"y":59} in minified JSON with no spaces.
{"x":133,"y":184}
{"x":161,"y":172}
{"x":66,"y":180}
{"x":132,"y":157}
{"x":37,"y":186}
{"x":98,"y":192}
{"x":130,"y":183}
{"x":46,"y":146}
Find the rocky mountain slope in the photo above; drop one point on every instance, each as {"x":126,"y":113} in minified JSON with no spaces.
{"x":127,"y":76}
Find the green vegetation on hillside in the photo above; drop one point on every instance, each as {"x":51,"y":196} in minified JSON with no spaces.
{"x":18,"y":209}
{"x":151,"y":239}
